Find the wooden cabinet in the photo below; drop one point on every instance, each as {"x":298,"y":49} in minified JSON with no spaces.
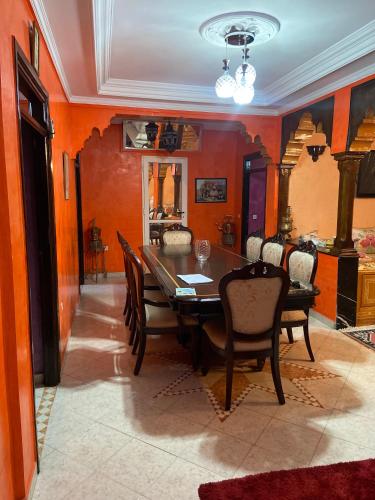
{"x":366,"y":297}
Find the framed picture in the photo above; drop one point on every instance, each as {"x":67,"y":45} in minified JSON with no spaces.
{"x":34,"y":46}
{"x":66,"y":175}
{"x":211,"y":190}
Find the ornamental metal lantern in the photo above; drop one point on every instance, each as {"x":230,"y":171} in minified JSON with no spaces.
{"x":151,"y":131}
{"x":168,"y":139}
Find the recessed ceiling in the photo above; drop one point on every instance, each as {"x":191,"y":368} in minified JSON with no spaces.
{"x":146,"y":53}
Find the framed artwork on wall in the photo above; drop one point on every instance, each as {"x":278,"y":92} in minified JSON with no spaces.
{"x":34,"y":46}
{"x":211,"y":190}
{"x":66,"y":174}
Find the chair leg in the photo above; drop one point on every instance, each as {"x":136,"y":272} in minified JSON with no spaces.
{"x":135,"y":341}
{"x":141,"y":351}
{"x":127,"y":304}
{"x":277,"y":379}
{"x":132,"y":327}
{"x":307,"y":340}
{"x":229,"y":382}
{"x":289,"y":331}
{"x":128,"y":316}
{"x":260,"y":364}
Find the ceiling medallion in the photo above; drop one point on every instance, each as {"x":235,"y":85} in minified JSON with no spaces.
{"x":239,"y":30}
{"x":263,"y":26}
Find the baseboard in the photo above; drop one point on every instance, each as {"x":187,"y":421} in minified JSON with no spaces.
{"x":29,"y":496}
{"x":323,"y":319}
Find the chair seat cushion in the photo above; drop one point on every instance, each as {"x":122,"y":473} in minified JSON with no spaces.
{"x":165,"y":317}
{"x":293,"y":316}
{"x":216,"y":331}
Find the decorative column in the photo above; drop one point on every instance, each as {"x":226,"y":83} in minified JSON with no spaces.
{"x":177,"y":188}
{"x":348,"y":165}
{"x":284,"y":175}
{"x":161,"y":176}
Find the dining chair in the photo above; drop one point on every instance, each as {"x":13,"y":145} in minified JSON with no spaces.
{"x":150,"y":285}
{"x":301,"y":265}
{"x":176,"y":234}
{"x":273,"y":250}
{"x":152,"y":317}
{"x":252,"y":299}
{"x":253,"y":246}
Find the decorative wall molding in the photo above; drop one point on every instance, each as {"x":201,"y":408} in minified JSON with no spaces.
{"x":365,"y":137}
{"x":42,"y":18}
{"x":327,"y":89}
{"x":102,"y":11}
{"x":354,"y":46}
{"x":176,"y":106}
{"x":132,"y":93}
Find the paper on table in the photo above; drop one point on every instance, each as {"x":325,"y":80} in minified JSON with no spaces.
{"x":185,"y":291}
{"x":194,"y":279}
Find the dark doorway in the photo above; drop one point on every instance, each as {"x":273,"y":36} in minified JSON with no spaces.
{"x":81,"y":262}
{"x":39,"y":214}
{"x":253,"y":197}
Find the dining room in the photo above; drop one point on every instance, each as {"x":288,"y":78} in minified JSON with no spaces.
{"x":187,"y":271}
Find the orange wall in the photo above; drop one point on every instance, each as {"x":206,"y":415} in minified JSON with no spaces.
{"x":112,"y":186}
{"x":17,"y":376}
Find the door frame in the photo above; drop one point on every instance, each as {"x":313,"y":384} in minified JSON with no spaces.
{"x":81,"y":257}
{"x":246,"y":173}
{"x":184,"y":189}
{"x":50,"y":322}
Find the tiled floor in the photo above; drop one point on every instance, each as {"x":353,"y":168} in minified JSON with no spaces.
{"x":110,"y":438}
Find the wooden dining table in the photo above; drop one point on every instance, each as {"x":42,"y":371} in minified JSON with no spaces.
{"x":166,"y":262}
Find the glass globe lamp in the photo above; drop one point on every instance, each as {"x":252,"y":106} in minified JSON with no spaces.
{"x":225,"y":85}
{"x":243,"y":94}
{"x":245,"y":74}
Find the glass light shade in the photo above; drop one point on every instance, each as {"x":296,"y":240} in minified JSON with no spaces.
{"x":243,"y":94}
{"x":248,"y":78}
{"x":225,"y":85}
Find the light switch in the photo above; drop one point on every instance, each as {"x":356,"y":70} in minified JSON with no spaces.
{"x":255,"y":216}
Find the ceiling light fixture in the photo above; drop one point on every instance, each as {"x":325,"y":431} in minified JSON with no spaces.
{"x":238,"y":30}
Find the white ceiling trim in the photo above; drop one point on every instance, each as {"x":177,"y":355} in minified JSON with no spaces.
{"x":158,"y":90}
{"x":354,"y":46}
{"x":329,"y":88}
{"x":42,"y":18}
{"x":102,"y":28}
{"x":176,"y":106}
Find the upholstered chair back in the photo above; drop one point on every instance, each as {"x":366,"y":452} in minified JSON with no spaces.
{"x":253,"y":247}
{"x":136,"y":284}
{"x":273,"y":250}
{"x":252,"y":299}
{"x":302,"y":263}
{"x":176,"y":235}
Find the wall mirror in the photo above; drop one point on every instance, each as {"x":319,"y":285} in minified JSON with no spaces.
{"x":139,"y":134}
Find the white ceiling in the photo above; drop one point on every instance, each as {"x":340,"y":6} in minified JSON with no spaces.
{"x":134,"y":53}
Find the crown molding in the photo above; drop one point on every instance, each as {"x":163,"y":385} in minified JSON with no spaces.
{"x":232,"y":110}
{"x":102,"y":15}
{"x":354,"y":46}
{"x":329,"y":88}
{"x":42,"y":18}
{"x":166,"y":91}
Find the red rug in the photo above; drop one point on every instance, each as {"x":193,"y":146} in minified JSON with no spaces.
{"x":343,"y":481}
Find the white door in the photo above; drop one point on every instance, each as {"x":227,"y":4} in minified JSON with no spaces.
{"x":164,"y":190}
